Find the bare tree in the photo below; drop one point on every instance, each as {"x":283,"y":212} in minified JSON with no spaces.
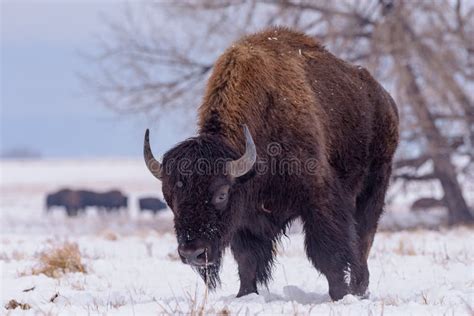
{"x":421,"y":50}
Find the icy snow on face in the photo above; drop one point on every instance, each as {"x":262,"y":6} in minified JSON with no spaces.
{"x":132,"y":267}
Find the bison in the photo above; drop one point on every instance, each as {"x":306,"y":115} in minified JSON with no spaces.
{"x":113,"y":200}
{"x":286,"y":130}
{"x":151,"y":204}
{"x":71,"y":200}
{"x":54,"y":199}
{"x":75,"y":201}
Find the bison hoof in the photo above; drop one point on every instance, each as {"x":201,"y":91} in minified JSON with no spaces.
{"x":244,"y":292}
{"x":361,"y":284}
{"x":364,"y":296}
{"x":337,"y":293}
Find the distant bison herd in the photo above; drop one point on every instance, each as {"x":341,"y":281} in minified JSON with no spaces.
{"x":77,"y":201}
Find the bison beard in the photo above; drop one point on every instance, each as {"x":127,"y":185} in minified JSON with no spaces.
{"x":210,"y":274}
{"x":301,"y":105}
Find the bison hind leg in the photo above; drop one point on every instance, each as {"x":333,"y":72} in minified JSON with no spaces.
{"x":331,"y":241}
{"x":333,"y":255}
{"x":369,"y":208}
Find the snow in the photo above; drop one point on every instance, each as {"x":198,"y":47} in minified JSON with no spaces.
{"x":133,"y":268}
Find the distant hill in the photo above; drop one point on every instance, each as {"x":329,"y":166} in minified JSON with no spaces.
{"x":20,"y":153}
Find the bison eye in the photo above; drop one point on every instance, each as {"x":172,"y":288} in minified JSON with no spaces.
{"x":220,"y":197}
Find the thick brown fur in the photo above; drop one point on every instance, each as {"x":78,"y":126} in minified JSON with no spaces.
{"x":300,"y":103}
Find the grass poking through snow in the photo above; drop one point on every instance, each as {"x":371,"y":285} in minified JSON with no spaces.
{"x":13,"y":304}
{"x":61,"y":259}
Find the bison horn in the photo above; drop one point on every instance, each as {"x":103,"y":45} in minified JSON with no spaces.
{"x":153,"y":165}
{"x":241,"y":166}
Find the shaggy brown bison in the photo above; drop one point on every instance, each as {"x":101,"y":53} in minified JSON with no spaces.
{"x":318,"y":141}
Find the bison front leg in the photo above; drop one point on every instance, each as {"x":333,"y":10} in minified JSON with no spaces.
{"x":331,"y":245}
{"x":254,"y":256}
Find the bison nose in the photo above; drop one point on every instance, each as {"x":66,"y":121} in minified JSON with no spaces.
{"x":192,"y":254}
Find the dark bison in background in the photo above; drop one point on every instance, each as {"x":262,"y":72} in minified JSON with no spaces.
{"x":151,"y":204}
{"x":54,"y":199}
{"x":76,"y":201}
{"x":318,"y":141}
{"x":69,"y":199}
{"x":111,"y":201}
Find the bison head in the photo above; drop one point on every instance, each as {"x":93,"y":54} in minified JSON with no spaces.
{"x":201,"y":180}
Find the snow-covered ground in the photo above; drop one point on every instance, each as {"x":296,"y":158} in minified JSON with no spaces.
{"x":132,"y":267}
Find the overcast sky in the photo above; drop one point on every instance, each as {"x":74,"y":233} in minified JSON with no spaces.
{"x":43,"y":104}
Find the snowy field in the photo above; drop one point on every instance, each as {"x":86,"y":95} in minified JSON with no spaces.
{"x":131,"y":265}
